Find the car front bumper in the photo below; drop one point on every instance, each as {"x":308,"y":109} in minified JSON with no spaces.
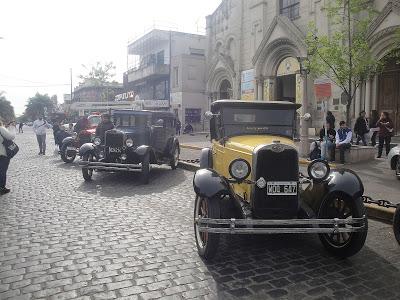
{"x":256,"y":226}
{"x":96,"y":165}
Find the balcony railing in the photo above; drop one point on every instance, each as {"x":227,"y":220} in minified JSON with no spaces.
{"x":148,"y":71}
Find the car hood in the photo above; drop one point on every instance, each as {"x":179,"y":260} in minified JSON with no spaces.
{"x":247,"y":143}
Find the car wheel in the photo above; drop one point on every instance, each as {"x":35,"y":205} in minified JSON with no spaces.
{"x":340,"y":206}
{"x":146,"y":168}
{"x":396,"y":224}
{"x":207,"y":243}
{"x":64,"y":155}
{"x":398,"y":168}
{"x":87,"y":173}
{"x":175,"y":159}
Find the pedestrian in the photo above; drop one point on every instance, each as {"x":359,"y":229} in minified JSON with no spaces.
{"x":20,"y":125}
{"x":343,"y":140}
{"x":178,"y":127}
{"x":82,"y":124}
{"x":327,"y":144}
{"x":103,"y":126}
{"x":56,"y":131}
{"x":39,"y":127}
{"x":373,"y":127}
{"x":361,"y":128}
{"x":385,"y":133}
{"x":330,"y":118}
{"x":4,"y":160}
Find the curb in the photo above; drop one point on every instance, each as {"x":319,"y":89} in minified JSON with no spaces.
{"x":378,"y":213}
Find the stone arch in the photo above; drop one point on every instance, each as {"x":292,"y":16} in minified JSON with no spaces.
{"x":215,"y":80}
{"x":381,"y":43}
{"x":273,"y":54}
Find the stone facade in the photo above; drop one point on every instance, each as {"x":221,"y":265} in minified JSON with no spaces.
{"x":265,"y":38}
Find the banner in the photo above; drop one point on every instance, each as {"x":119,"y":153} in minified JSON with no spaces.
{"x":247,"y":86}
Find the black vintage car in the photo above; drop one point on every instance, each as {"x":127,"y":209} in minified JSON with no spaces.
{"x":140,"y":138}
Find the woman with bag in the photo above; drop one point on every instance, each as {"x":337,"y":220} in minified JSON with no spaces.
{"x":385,"y":133}
{"x":4,"y":159}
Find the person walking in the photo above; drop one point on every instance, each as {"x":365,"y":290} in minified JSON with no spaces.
{"x":373,"y":127}
{"x":361,"y":128}
{"x":178,"y":127}
{"x":328,"y":144}
{"x":343,"y":140}
{"x":4,"y":160}
{"x":330,"y":118}
{"x":385,"y":133}
{"x":20,"y":129}
{"x":39,"y":127}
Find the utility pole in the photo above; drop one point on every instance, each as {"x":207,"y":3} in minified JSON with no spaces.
{"x":70,"y":72}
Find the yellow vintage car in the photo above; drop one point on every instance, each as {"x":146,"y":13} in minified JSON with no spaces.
{"x":249,"y":182}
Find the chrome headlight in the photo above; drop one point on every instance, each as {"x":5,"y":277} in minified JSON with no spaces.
{"x":239,"y":169}
{"x":97,"y":141}
{"x":318,"y":170}
{"x":129,"y":142}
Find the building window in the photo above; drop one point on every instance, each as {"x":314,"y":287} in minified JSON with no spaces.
{"x":160,"y":58}
{"x":290,"y":8}
{"x":176,"y":76}
{"x":193,"y":115}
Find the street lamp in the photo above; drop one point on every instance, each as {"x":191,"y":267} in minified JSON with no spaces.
{"x":305,"y":116}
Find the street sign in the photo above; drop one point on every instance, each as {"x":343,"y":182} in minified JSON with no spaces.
{"x":322,"y":89}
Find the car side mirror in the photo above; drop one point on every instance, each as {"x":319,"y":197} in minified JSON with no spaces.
{"x":208,"y":115}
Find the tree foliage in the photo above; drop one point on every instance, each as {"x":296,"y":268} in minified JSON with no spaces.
{"x":98,"y":74}
{"x":6,"y":109}
{"x":344,"y":56}
{"x":39,"y":105}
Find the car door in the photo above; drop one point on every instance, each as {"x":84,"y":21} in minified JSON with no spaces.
{"x":218,"y":149}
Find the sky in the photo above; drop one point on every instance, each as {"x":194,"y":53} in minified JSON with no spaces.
{"x":41,"y":40}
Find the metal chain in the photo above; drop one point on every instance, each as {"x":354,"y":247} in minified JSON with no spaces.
{"x":379,"y":202}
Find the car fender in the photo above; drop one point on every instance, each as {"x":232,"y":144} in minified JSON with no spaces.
{"x":142,"y":150}
{"x":207,"y":183}
{"x":392,"y":156}
{"x":87,"y":147}
{"x":206,"y":158}
{"x":68,"y":140}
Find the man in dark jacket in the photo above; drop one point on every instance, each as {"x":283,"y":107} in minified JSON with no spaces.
{"x":361,"y":128}
{"x":103,"y":126}
{"x":82,"y":124}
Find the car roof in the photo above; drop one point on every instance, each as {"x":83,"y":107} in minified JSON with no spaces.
{"x":143,"y":112}
{"x":260,"y":104}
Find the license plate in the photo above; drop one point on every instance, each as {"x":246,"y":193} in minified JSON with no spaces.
{"x":71,"y":149}
{"x":284,"y":188}
{"x":115,"y":150}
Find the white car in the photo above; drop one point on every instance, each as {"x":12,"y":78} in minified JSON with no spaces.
{"x":394,"y":160}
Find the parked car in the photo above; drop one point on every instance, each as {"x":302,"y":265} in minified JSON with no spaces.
{"x":71,"y":144}
{"x":249,"y":182}
{"x":394,"y":160}
{"x":141,"y":138}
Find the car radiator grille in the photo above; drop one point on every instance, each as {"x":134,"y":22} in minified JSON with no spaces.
{"x":114,"y":139}
{"x":276,"y":166}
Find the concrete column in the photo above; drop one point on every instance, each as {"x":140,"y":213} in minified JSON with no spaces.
{"x":304,"y":124}
{"x":357,"y":102}
{"x":260,"y":89}
{"x":367,"y":99}
{"x":374,"y":93}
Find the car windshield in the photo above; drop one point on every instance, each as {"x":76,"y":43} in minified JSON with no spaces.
{"x":238,"y":121}
{"x":131,"y":121}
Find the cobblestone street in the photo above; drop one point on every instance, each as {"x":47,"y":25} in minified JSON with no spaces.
{"x":62,"y":238}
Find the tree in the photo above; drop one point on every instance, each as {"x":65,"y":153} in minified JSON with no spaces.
{"x":98,"y":74}
{"x":6,"y":109}
{"x":39,"y":105}
{"x":344,"y":56}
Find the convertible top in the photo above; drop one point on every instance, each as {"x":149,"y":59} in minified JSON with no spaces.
{"x":256,"y":104}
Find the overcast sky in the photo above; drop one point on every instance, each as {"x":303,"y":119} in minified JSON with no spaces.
{"x":43,"y":39}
